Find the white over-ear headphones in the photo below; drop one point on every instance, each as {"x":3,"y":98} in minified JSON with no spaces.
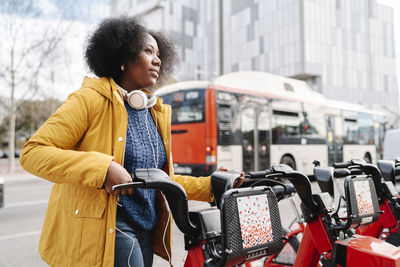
{"x":138,"y":99}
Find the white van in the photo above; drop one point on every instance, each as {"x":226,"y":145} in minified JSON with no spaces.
{"x":391,"y":144}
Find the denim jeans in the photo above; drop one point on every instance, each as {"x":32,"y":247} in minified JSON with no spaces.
{"x":142,"y":241}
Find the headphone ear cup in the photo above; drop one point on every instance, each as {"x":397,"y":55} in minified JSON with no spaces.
{"x":152,"y":101}
{"x":137,"y":99}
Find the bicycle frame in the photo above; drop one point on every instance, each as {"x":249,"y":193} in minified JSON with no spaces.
{"x":315,"y":241}
{"x":292,"y":233}
{"x":195,"y":256}
{"x":386,"y":221}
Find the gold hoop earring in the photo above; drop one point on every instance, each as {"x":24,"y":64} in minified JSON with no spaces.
{"x":122,"y":67}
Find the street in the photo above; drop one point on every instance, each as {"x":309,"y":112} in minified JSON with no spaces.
{"x":21,"y":219}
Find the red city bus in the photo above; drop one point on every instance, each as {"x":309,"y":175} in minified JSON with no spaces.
{"x":249,"y":120}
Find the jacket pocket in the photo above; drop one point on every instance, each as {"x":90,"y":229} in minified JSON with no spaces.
{"x":89,"y":227}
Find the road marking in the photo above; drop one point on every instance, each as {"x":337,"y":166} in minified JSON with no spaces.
{"x":4,"y":237}
{"x":26,"y":203}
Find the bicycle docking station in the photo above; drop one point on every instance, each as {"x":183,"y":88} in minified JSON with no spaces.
{"x":251,"y":224}
{"x":244,"y":226}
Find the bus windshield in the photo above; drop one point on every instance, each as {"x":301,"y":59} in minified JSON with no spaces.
{"x":187,"y":106}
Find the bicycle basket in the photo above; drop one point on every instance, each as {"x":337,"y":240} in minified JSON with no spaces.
{"x":362,"y":201}
{"x":251,"y":225}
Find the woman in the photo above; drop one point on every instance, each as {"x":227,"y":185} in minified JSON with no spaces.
{"x":94,"y":140}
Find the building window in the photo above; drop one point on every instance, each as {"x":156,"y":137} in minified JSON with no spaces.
{"x":198,"y":72}
{"x":255,"y":63}
{"x":386,"y":83}
{"x":235,"y":67}
{"x":337,"y":4}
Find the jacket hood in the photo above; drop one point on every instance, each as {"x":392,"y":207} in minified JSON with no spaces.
{"x":109,"y":89}
{"x":104,"y":86}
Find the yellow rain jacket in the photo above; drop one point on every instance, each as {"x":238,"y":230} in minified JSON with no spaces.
{"x":73,"y":149}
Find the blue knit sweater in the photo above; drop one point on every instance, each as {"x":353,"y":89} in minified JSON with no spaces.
{"x":139,"y":207}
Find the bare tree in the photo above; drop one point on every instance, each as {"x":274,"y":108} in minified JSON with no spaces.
{"x":30,"y":39}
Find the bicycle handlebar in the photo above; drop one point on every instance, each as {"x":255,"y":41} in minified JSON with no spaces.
{"x":300,"y":182}
{"x":340,"y":173}
{"x":347,"y":164}
{"x":174,"y":194}
{"x":259,"y":174}
{"x":367,"y":168}
{"x":178,"y":201}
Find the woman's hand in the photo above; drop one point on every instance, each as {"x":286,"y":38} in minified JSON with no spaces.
{"x":239,"y":182}
{"x":116,"y":174}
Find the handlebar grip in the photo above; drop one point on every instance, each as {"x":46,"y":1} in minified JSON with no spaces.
{"x":397,"y":170}
{"x":339,"y":173}
{"x":259,"y":174}
{"x":128,"y":185}
{"x":342,"y":164}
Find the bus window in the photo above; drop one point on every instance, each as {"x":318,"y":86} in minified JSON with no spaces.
{"x":313,"y":127}
{"x":339,"y":131}
{"x":247,"y":117}
{"x":286,"y":128}
{"x":351,"y":131}
{"x":187,"y":107}
{"x":366,"y":129}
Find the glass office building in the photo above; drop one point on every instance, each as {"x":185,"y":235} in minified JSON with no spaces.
{"x":344,"y":49}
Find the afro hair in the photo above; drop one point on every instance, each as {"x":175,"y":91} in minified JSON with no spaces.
{"x":118,"y":41}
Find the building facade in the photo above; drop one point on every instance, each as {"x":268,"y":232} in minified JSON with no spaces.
{"x":343,"y":49}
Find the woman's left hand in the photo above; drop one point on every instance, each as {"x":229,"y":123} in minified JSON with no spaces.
{"x":239,"y":182}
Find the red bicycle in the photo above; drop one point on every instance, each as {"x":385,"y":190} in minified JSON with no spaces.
{"x":331,"y":241}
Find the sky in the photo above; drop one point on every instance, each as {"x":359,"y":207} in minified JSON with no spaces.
{"x":67,"y":67}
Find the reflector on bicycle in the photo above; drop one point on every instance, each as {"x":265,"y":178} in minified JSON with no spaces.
{"x":251,"y":225}
{"x":362,"y":201}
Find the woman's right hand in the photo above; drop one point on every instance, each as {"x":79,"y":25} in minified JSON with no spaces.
{"x":116,"y":174}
